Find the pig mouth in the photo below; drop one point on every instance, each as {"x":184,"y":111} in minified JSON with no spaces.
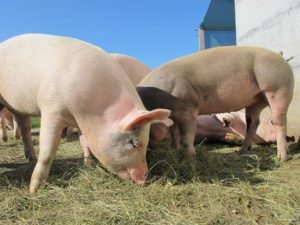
{"x":136,"y":175}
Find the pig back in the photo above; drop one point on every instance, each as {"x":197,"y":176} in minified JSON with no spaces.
{"x":135,"y":69}
{"x":58,"y":72}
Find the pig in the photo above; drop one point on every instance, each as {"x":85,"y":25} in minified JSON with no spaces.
{"x":230,"y":128}
{"x":7,"y":122}
{"x":226,"y":79}
{"x":69,"y":82}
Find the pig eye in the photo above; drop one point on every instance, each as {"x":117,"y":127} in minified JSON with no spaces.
{"x":133,"y":143}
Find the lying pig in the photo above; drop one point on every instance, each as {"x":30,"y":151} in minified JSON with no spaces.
{"x":226,"y":79}
{"x":72,"y":83}
{"x":7,"y":122}
{"x":231,"y":128}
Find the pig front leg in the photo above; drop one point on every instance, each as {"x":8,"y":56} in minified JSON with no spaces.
{"x":87,"y":154}
{"x":50,"y":133}
{"x":24,"y":124}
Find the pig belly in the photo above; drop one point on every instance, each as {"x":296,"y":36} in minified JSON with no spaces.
{"x":27,"y":105}
{"x":223,"y":100}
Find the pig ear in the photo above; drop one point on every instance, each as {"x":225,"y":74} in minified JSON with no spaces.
{"x":142,"y":117}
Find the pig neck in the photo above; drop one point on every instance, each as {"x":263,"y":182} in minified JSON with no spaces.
{"x":96,"y":133}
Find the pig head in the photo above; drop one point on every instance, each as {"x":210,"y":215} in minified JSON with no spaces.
{"x":136,"y":71}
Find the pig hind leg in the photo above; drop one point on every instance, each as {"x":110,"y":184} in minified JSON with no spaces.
{"x":87,"y":154}
{"x":252,"y":119}
{"x":24,"y":124}
{"x":3,"y":125}
{"x":187,"y":128}
{"x":50,"y":133}
{"x":279,"y":104}
{"x":17,"y":132}
{"x":3,"y":128}
{"x":175,"y":135}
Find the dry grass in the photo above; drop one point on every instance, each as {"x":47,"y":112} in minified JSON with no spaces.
{"x":219,"y":187}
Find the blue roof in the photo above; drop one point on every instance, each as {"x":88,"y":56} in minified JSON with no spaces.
{"x":219,"y":16}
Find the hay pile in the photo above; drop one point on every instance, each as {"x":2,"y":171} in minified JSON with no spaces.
{"x":219,"y":187}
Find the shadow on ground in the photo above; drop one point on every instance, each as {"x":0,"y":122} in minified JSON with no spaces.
{"x":214,"y":162}
{"x":19,"y":174}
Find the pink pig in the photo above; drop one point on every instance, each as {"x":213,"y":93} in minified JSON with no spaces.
{"x":231,"y":128}
{"x":225,"y":79}
{"x":72,"y":83}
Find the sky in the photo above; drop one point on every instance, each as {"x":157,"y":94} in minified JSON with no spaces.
{"x":153,"y":31}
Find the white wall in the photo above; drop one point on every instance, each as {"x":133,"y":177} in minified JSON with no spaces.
{"x":274,"y":24}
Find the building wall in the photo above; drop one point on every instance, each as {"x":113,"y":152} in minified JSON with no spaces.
{"x":274,"y":24}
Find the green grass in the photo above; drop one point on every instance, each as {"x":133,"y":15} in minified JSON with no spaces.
{"x":219,"y":187}
{"x":35,"y":122}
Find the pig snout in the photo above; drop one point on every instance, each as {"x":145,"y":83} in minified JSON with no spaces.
{"x":137,"y":174}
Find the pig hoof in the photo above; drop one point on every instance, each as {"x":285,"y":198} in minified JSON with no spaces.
{"x":33,"y":186}
{"x":244,"y":150}
{"x":32,"y":190}
{"x":284,"y":158}
{"x":17,"y":137}
{"x":32,"y":159}
{"x":290,"y":139}
{"x":191,"y":153}
{"x":88,"y":161}
{"x":233,"y":138}
{"x":4,"y":139}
